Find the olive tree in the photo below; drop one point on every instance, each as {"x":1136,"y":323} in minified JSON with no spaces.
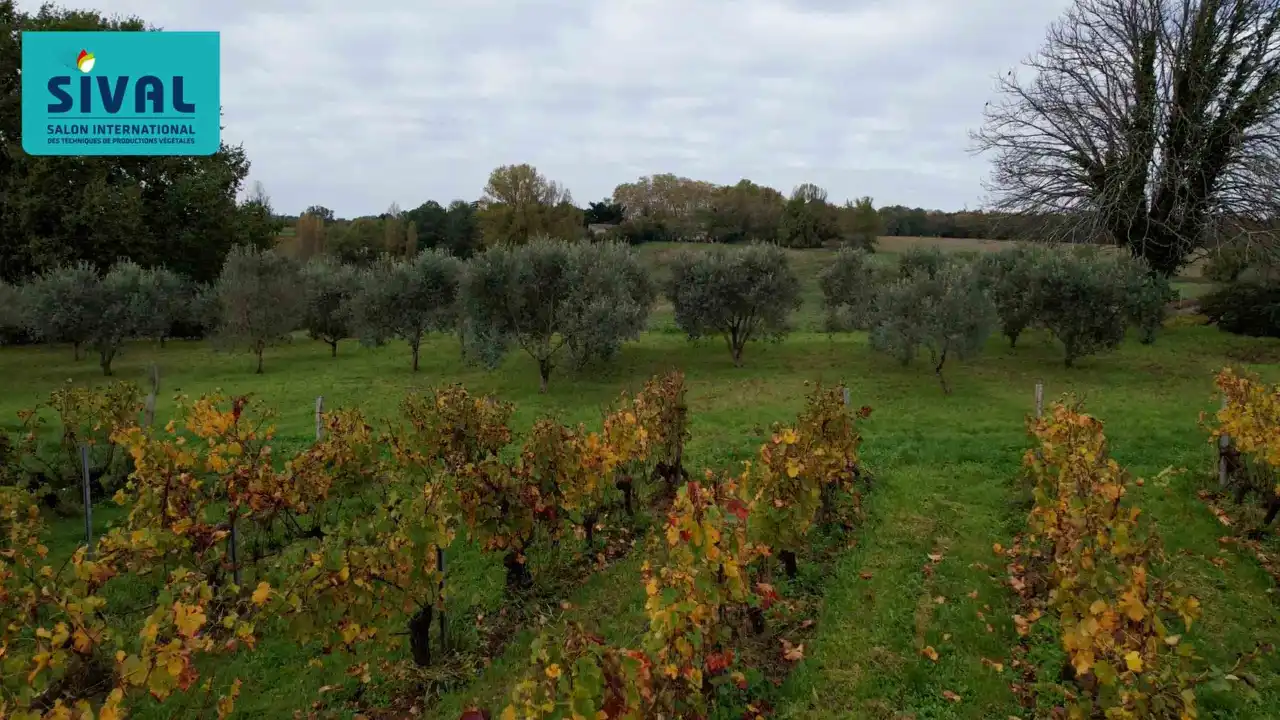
{"x":1009,"y":275}
{"x":1077,"y":297}
{"x":742,"y":293}
{"x":407,"y":299}
{"x":948,"y":313}
{"x":166,"y":301}
{"x":929,"y":259}
{"x":1148,"y":294}
{"x":849,"y":285}
{"x":551,"y":296}
{"x":611,"y":302}
{"x":120,"y":310}
{"x":328,"y":287}
{"x":58,"y":304}
{"x":258,"y":299}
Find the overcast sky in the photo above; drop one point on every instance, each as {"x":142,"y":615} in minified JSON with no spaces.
{"x":354,"y":105}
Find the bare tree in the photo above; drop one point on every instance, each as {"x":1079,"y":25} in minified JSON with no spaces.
{"x":1148,"y":123}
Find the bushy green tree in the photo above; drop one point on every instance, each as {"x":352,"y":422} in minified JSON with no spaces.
{"x":1148,"y":293}
{"x":611,"y":303}
{"x":407,"y":299}
{"x":166,"y":299}
{"x":860,"y":224}
{"x":921,"y":258}
{"x":549,"y":296}
{"x":58,"y":304}
{"x":120,"y":310}
{"x":742,"y":293}
{"x":808,"y":220}
{"x":948,"y":313}
{"x":1077,"y":297}
{"x":259,"y":299}
{"x":328,"y":287}
{"x":849,"y":286}
{"x":1009,"y":274}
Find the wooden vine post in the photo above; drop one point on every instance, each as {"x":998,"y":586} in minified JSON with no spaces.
{"x":88,"y":499}
{"x":1039,"y":399}
{"x":1224,"y":444}
{"x":319,"y":417}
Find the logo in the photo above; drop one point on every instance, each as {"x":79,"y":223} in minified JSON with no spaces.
{"x":157,"y":93}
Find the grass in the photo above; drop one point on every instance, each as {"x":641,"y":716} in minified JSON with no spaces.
{"x":945,"y":469}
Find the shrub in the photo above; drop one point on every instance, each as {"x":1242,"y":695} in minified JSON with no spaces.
{"x":11,"y":326}
{"x":407,"y":299}
{"x":58,"y":305}
{"x":549,"y":296}
{"x":742,"y":293}
{"x":259,"y":299}
{"x":328,"y":287}
{"x":1245,"y":308}
{"x":948,"y":313}
{"x":1077,"y":297}
{"x":1009,"y":275}
{"x":849,"y":286}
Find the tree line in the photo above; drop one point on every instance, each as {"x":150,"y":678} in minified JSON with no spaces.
{"x":571,"y":304}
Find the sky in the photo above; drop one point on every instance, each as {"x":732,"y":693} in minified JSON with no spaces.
{"x":356,"y":105}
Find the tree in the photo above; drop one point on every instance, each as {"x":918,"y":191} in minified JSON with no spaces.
{"x":177,"y":211}
{"x":393,"y":231}
{"x":520,"y":203}
{"x":549,"y":295}
{"x":259,"y":299}
{"x":860,"y":224}
{"x":407,"y":299}
{"x":322,"y":212}
{"x":675,"y":203}
{"x":10,"y":313}
{"x":604,"y":212}
{"x":808,"y":221}
{"x":744,"y":213}
{"x":120,"y":310}
{"x":164,"y":298}
{"x":947,"y":312}
{"x":462,"y":229}
{"x":849,"y":286}
{"x":310,"y":231}
{"x":58,"y":304}
{"x":1148,"y":294}
{"x":1077,"y":297}
{"x":1010,"y":275}
{"x":358,"y":243}
{"x":1143,"y":121}
{"x":430,"y":219}
{"x":328,"y":287}
{"x":742,"y":293}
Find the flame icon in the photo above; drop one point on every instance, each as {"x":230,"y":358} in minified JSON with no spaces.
{"x":85,"y":61}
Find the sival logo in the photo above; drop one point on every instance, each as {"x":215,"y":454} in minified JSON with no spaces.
{"x":157,"y":93}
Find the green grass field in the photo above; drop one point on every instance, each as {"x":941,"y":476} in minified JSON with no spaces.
{"x":945,"y":472}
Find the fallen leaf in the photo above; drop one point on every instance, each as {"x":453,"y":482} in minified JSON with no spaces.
{"x":936,"y":557}
{"x":930,"y":653}
{"x":997,"y":548}
{"x":865,"y":575}
{"x":990,"y":629}
{"x":946,"y":637}
{"x":951,"y":696}
{"x":792,"y":653}
{"x":1022,"y":624}
{"x":973,"y":595}
{"x":940,"y":600}
{"x":998,"y":667}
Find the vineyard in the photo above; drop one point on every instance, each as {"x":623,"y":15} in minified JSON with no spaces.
{"x":766,"y":546}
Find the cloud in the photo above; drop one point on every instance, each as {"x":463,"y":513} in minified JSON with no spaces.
{"x":357,"y":105}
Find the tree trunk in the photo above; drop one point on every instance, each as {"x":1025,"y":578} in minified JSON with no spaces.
{"x":544,"y":374}
{"x":75,"y":350}
{"x":162,"y":339}
{"x":420,"y":637}
{"x":259,"y":352}
{"x":1013,"y":339}
{"x":333,"y":348}
{"x":737,"y":353}
{"x":788,"y":558}
{"x":757,"y":619}
{"x":1273,"y":509}
{"x":415,"y":347}
{"x":518,"y":577}
{"x":589,"y":525}
{"x":105,"y":356}
{"x":623,"y":483}
{"x":937,"y":370}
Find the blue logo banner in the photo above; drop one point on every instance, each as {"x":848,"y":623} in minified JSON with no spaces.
{"x":121,"y":93}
